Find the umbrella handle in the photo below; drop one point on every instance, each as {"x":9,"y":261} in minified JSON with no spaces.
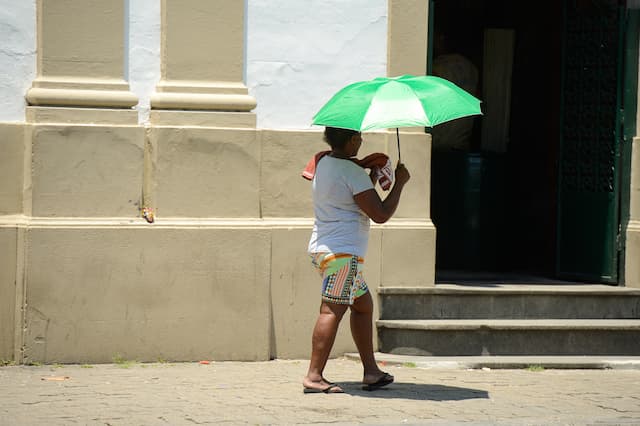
{"x":398,"y":138}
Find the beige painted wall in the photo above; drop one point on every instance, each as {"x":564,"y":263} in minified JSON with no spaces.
{"x":632,"y":244}
{"x":147,"y":294}
{"x":223,"y":271}
{"x":87,"y":171}
{"x":295,"y":290}
{"x":202,"y":57}
{"x":13,"y":156}
{"x":8,"y":267}
{"x":201,"y":172}
{"x":81,"y":54}
{"x":103,"y":52}
{"x":12,"y":147}
{"x":407,"y":37}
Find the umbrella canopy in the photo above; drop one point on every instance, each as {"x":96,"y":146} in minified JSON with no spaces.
{"x":404,"y":101}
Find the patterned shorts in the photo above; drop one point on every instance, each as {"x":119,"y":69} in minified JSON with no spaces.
{"x":342,"y":280}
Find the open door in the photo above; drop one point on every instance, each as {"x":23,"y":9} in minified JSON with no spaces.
{"x":630,"y":109}
{"x":591,"y":133}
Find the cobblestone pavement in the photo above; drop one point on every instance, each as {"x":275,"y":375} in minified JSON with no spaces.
{"x":271,"y":393}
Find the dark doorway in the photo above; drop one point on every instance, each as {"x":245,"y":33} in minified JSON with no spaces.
{"x":496,"y":206}
{"x":506,"y":200}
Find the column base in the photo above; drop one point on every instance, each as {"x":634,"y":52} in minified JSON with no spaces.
{"x":203,"y":101}
{"x":245,"y":120}
{"x":203,"y":95}
{"x":65,"y":91}
{"x":51,"y":115}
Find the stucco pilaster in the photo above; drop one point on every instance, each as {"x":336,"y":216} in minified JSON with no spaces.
{"x":407,"y":241}
{"x":81,"y":52}
{"x":8,"y":244}
{"x":634,"y":202}
{"x":408,"y":25}
{"x":12,"y":146}
{"x":202,"y":60}
{"x":632,"y":246}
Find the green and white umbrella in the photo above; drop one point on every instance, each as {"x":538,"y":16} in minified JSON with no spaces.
{"x":405,"y":101}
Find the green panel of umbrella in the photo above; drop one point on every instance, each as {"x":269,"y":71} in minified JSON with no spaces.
{"x":405,"y":101}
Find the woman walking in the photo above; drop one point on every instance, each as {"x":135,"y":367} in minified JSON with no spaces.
{"x":344,"y":200}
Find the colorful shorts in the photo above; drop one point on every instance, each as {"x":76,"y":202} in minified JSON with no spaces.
{"x":342,"y":280}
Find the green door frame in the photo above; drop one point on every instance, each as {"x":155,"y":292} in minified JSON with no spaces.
{"x":629,"y":117}
{"x":430,"y":32}
{"x":590,"y":157}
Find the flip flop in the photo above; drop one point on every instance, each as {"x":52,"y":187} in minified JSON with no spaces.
{"x":385,"y":380}
{"x":328,"y":389}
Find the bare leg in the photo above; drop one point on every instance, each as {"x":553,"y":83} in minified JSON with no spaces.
{"x":324,"y":335}
{"x":362,"y":332}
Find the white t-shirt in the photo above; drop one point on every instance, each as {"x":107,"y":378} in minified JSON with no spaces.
{"x":340,"y":226}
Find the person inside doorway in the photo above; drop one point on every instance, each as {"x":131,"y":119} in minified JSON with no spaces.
{"x":451,"y":65}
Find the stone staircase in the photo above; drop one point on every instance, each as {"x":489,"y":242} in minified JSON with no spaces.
{"x":509,"y":319}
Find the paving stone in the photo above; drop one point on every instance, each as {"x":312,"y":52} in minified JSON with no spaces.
{"x":271,"y":393}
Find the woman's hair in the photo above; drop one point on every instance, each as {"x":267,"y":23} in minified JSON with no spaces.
{"x":338,"y":138}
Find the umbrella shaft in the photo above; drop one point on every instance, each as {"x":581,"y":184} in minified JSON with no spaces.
{"x":398,"y":139}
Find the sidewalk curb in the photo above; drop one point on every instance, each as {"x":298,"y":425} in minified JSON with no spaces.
{"x":509,"y":362}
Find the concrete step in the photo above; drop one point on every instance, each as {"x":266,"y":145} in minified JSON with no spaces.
{"x":474,"y":337}
{"x":510,"y":301}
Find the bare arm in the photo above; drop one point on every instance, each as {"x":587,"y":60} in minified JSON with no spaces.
{"x":378,"y":210}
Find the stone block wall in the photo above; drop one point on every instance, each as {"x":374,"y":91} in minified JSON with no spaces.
{"x":222,"y":272}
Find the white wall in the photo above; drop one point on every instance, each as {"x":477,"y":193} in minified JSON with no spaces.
{"x":298,"y":54}
{"x":144,"y":52}
{"x":17,"y":56}
{"x":301,"y":52}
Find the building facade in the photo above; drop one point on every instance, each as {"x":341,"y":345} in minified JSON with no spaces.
{"x":148,"y":210}
{"x":151,"y":203}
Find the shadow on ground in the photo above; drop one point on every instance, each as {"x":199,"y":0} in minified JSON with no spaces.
{"x":422,"y":392}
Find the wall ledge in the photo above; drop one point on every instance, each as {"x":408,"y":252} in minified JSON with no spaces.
{"x":22,"y":221}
